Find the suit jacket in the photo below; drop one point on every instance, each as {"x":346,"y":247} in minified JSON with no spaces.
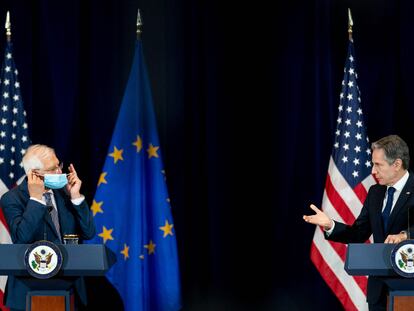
{"x":370,"y":222}
{"x":29,"y":221}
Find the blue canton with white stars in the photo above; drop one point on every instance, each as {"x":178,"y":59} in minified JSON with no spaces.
{"x":14,"y":138}
{"x":351,"y":152}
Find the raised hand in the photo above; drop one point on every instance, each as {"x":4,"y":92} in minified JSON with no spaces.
{"x":74,"y":183}
{"x":35,"y":185}
{"x":319,"y":219}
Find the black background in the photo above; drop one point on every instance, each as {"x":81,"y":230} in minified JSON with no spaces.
{"x":246,"y":96}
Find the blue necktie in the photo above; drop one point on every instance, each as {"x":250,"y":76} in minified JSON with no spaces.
{"x":53,"y":212}
{"x":387,"y":210}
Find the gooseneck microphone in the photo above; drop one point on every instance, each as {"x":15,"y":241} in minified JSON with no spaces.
{"x":49,"y":209}
{"x":408,"y":224}
{"x":44,"y":226}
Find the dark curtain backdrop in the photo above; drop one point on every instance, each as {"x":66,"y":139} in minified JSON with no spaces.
{"x":246,"y":96}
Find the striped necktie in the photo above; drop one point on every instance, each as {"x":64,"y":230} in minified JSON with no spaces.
{"x":53,"y":212}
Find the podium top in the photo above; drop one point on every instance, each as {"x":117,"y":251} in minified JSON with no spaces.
{"x":369,"y":259}
{"x":78,"y":260}
{"x":375,"y":260}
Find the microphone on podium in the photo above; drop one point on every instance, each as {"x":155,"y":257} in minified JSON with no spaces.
{"x":408,"y":224}
{"x":49,"y":209}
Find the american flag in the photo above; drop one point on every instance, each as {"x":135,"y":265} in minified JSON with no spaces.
{"x":14,"y":138}
{"x":347,"y":183}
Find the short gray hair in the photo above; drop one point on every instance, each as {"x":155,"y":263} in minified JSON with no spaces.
{"x":394,"y":148}
{"x":34,"y":156}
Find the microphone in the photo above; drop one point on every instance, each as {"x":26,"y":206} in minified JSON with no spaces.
{"x":49,"y":209}
{"x":408,"y":223}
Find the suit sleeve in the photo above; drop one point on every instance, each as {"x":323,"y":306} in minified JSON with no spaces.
{"x":23,"y":221}
{"x":358,"y":232}
{"x":85,"y":219}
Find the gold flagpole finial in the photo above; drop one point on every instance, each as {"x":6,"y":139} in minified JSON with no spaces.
{"x":350,"y":24}
{"x":8,"y":26}
{"x":139,"y":25}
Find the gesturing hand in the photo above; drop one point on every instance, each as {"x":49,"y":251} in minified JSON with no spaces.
{"x":74,"y":183}
{"x":319,"y":219}
{"x":35,"y":185}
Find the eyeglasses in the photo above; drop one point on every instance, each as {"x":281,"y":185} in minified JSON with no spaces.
{"x":57,"y":169}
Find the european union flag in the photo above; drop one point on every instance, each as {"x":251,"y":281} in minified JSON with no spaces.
{"x":131,"y":206}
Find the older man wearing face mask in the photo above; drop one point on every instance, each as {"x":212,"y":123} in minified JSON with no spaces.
{"x":45,"y":206}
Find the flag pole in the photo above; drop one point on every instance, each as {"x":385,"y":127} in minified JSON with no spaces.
{"x":350,"y":24}
{"x":139,"y":25}
{"x":8,"y":27}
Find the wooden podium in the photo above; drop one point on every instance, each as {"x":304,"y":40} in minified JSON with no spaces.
{"x":56,"y":293}
{"x":375,"y":260}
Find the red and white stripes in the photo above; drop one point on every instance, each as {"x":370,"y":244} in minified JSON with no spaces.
{"x":4,"y":239}
{"x":341,"y":203}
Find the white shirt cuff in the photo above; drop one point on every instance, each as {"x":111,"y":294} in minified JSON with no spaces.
{"x":78,"y":201}
{"x":328,"y":232}
{"x":37,"y":200}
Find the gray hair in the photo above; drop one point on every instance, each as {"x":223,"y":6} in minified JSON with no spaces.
{"x":34,"y":156}
{"x":394,"y":148}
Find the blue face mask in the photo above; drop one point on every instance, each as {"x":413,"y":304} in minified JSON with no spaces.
{"x":55,"y":181}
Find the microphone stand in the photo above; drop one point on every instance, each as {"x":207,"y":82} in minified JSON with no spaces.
{"x":408,"y":220}
{"x":49,"y":209}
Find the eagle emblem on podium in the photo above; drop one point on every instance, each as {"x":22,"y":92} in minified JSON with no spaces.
{"x":402,"y":258}
{"x":43,"y":259}
{"x":407,"y":259}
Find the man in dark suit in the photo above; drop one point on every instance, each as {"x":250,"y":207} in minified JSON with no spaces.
{"x":385,"y":210}
{"x":45,"y":206}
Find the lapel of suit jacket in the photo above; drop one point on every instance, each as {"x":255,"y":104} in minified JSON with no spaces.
{"x":402,"y":199}
{"x":24,"y":188}
{"x":378,"y":204}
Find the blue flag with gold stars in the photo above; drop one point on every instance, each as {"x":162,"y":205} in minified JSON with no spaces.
{"x":131,"y":205}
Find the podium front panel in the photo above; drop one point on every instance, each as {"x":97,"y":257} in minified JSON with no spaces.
{"x":78,"y":260}
{"x":369,"y":259}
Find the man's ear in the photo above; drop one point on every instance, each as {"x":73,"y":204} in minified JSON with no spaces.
{"x":398,"y":164}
